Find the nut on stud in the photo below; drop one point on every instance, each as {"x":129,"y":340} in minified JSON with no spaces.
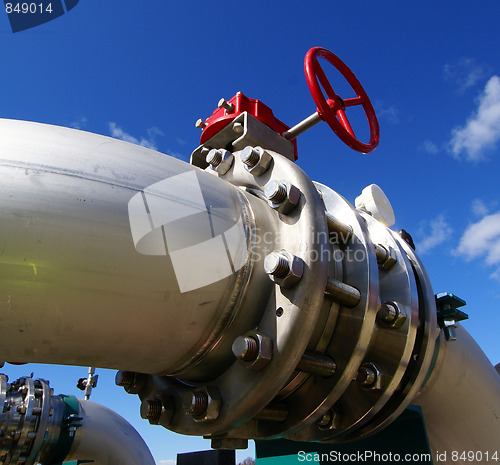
{"x":151,"y":410}
{"x":386,"y":256}
{"x":220,"y":160}
{"x":131,"y":381}
{"x":223,"y":103}
{"x":254,"y":350}
{"x":284,"y":268}
{"x":391,"y":314}
{"x":282,"y":196}
{"x":200,"y":124}
{"x":204,"y":404}
{"x":370,"y":377}
{"x":257,"y":160}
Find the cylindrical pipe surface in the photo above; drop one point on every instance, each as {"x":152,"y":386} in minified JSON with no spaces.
{"x":107,"y":438}
{"x":461,"y":400}
{"x":111,"y":252}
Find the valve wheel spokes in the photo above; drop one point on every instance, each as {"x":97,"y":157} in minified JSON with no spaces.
{"x":332,"y":110}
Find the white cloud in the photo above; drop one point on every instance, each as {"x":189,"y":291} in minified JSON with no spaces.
{"x":439,"y":232}
{"x":464,"y":73}
{"x":390,"y":113}
{"x":149,"y":142}
{"x":430,"y":147}
{"x":166,"y":462}
{"x":482,"y":240}
{"x":79,"y":123}
{"x":482,"y":129}
{"x":479,"y":208}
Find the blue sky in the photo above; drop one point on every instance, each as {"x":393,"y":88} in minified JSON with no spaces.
{"x":146,"y":71}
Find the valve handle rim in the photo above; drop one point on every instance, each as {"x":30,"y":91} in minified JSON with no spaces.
{"x":332,"y":110}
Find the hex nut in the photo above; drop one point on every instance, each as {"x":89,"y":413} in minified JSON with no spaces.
{"x":212,"y":406}
{"x":131,"y":381}
{"x":392,"y":314}
{"x":391,"y":258}
{"x":264,"y":352}
{"x":294,"y":269}
{"x":257,"y":160}
{"x":158,"y":410}
{"x":224,"y":160}
{"x":369,"y":377}
{"x":282,"y":196}
{"x":329,"y":421}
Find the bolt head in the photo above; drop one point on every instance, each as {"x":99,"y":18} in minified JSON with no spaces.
{"x":223,"y":103}
{"x":238,"y":128}
{"x":291,"y":200}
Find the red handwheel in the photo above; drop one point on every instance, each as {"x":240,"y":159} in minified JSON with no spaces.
{"x":333,"y":110}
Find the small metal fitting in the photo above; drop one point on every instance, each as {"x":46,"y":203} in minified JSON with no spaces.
{"x":151,"y":410}
{"x":391,"y":314}
{"x":132,"y":382}
{"x":229,"y":443}
{"x":200,"y":124}
{"x":238,"y":128}
{"x":369,"y":376}
{"x":282,"y":196}
{"x":204,"y":404}
{"x":257,"y":160}
{"x":273,"y":412}
{"x":386,"y":256}
{"x":220,"y":160}
{"x":223,"y":103}
{"x":284,"y":268}
{"x":158,"y":410}
{"x":245,"y":348}
{"x":328,"y":421}
{"x":254,"y":350}
{"x":317,"y":364}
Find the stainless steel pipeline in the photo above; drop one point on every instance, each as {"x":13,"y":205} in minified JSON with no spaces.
{"x":107,"y":438}
{"x":38,"y":427}
{"x":84,"y":276}
{"x":461,"y":402}
{"x":212,"y":290}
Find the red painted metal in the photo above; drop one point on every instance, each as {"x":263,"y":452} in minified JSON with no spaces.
{"x":333,"y":110}
{"x":220,"y":118}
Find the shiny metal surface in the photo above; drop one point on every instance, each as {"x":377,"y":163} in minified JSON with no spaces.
{"x":461,"y":399}
{"x":69,"y":267}
{"x":294,"y":314}
{"x":107,"y":439}
{"x":36,"y":428}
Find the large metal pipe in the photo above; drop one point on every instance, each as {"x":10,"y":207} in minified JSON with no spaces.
{"x":116,"y":256}
{"x":107,"y":438}
{"x":87,"y":223}
{"x":38,"y":427}
{"x":461,"y":401}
